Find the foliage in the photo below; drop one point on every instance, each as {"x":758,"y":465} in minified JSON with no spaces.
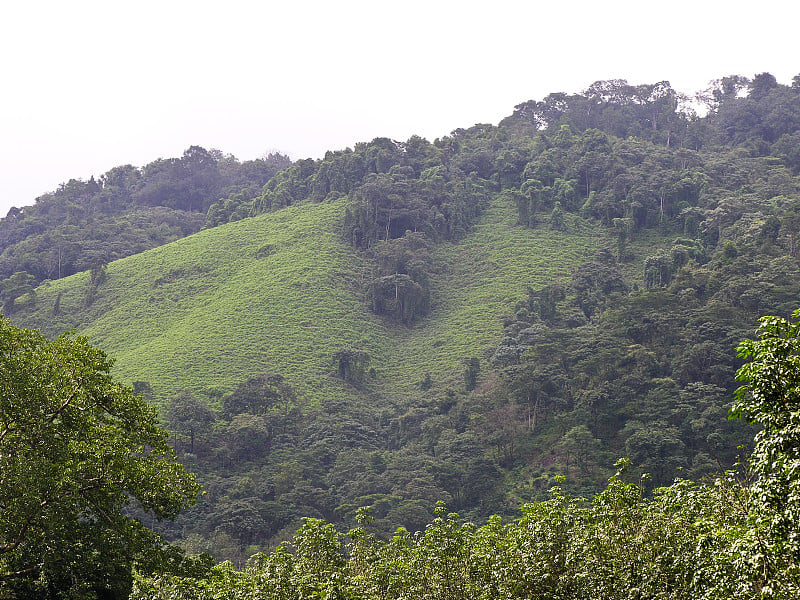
{"x":351,"y":364}
{"x":724,"y":539}
{"x":769,"y":397}
{"x":76,"y":449}
{"x":189,"y":417}
{"x":84,"y":224}
{"x":678,"y":544}
{"x":13,"y":288}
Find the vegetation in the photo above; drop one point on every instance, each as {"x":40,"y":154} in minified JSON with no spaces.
{"x":86,"y":224}
{"x":464,"y":320}
{"x":238,"y":319}
{"x":725,"y":538}
{"x":76,"y":449}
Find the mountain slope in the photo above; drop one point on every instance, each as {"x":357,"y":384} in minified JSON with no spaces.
{"x":205,"y":312}
{"x":280,"y":293}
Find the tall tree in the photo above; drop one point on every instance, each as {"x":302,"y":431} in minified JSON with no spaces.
{"x":186,"y":415}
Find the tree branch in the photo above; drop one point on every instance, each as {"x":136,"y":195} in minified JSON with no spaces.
{"x":21,"y":573}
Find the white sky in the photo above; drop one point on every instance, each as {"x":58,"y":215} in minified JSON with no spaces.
{"x":89,"y":85}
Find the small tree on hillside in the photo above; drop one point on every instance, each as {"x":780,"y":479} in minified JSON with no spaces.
{"x":351,"y":364}
{"x":16,"y":286}
{"x":472,"y":368}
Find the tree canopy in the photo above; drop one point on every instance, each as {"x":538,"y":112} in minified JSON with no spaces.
{"x":77,"y":451}
{"x":770,"y":396}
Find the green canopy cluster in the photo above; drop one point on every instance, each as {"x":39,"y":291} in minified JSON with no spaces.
{"x":76,"y":450}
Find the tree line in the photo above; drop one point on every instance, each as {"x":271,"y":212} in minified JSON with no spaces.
{"x":85,"y":224}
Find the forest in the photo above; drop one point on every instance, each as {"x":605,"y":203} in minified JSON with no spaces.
{"x":686,"y":212}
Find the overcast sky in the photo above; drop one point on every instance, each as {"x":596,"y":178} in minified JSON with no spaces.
{"x":87,"y":85}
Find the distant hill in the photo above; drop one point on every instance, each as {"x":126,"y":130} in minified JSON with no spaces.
{"x":84,"y":224}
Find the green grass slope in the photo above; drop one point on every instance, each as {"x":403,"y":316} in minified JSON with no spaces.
{"x":280,"y":293}
{"x":275,"y":293}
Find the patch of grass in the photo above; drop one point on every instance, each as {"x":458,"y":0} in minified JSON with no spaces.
{"x":210,"y":310}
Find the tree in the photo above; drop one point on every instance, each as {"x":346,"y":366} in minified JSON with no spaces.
{"x":770,"y":397}
{"x":624,"y":228}
{"x":472,"y":368}
{"x":248,"y":436}
{"x":261,"y":395}
{"x":351,"y":364}
{"x":658,"y":450}
{"x":658,"y":269}
{"x":399,"y":297}
{"x":188,"y":416}
{"x":580,"y":444}
{"x":16,"y":286}
{"x":76,"y":449}
{"x":557,"y":217}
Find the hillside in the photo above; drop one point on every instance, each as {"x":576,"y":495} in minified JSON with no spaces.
{"x":280,"y":293}
{"x":85,"y":224}
{"x":206,"y":312}
{"x":460,"y":320}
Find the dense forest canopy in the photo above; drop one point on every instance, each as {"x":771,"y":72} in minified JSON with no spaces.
{"x":726,"y":538}
{"x":84,"y":224}
{"x":631,"y":354}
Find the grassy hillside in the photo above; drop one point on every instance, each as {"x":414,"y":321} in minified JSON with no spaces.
{"x":477,"y":280}
{"x":280,"y":293}
{"x":272,"y":293}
